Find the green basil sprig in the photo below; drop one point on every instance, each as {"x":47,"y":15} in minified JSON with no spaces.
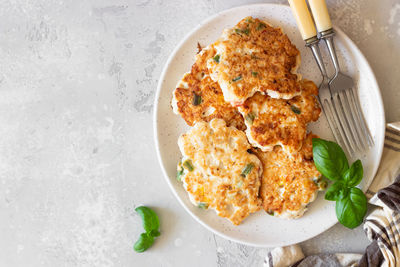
{"x":351,"y":203}
{"x":151,"y":224}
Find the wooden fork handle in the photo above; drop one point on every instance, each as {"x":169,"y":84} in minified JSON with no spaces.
{"x":303,"y":17}
{"x":320,"y":14}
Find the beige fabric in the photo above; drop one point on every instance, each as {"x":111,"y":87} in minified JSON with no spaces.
{"x":284,"y":256}
{"x":390,"y":163}
{"x":348,"y":259}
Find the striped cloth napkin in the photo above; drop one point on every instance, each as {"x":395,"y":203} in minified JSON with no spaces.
{"x":382,"y":226}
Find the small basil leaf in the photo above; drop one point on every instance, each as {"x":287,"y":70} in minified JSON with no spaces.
{"x":329,"y":159}
{"x":351,"y":209}
{"x":144,"y":242}
{"x":149,"y":217}
{"x":354,"y":174}
{"x":336,"y":191}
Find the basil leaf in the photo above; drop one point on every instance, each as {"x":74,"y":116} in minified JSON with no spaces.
{"x":351,"y":209}
{"x":144,"y":242}
{"x":354,"y":174}
{"x":149,"y":217}
{"x":336,"y":191}
{"x":329,"y":159}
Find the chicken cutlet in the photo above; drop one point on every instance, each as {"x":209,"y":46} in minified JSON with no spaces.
{"x":217,"y":170}
{"x":271,"y":122}
{"x":289,"y":183}
{"x":255,"y":57}
{"x":198,"y":98}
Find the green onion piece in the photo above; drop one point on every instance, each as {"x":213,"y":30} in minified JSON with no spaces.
{"x":196,"y":99}
{"x":254,"y":73}
{"x":249,"y":20}
{"x":216,"y":58}
{"x":320,"y":182}
{"x":188,"y":165}
{"x":246,"y":31}
{"x":247,"y":169}
{"x":316,"y":180}
{"x":261,"y":26}
{"x":203,"y":205}
{"x":295,"y":109}
{"x":240,"y":31}
{"x":323,"y":185}
{"x":271,"y":212}
{"x":250,"y":117}
{"x":237,"y":78}
{"x":179,"y":173}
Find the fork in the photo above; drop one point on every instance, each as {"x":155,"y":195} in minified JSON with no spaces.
{"x":336,"y":96}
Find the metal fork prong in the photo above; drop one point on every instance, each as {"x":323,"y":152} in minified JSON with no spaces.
{"x":337,"y":126}
{"x":353,"y":121}
{"x":329,"y":117}
{"x":342,"y":122}
{"x":362,"y":138}
{"x":361,"y":119}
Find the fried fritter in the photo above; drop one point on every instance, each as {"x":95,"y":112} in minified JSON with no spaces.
{"x":289,"y":183}
{"x":218,"y":172}
{"x":254,"y":56}
{"x":271,"y":122}
{"x":198,"y":98}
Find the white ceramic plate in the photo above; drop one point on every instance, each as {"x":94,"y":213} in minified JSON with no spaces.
{"x":261,"y":229}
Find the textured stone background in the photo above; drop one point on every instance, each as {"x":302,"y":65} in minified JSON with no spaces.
{"x":77,"y":84}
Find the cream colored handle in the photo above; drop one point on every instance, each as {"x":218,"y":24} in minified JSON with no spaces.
{"x":320,"y":14}
{"x":303,"y":18}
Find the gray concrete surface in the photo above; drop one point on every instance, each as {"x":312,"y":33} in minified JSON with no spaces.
{"x":77,"y":84}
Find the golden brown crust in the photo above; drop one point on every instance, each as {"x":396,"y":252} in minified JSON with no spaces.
{"x":262,"y":56}
{"x":272,"y":122}
{"x":288,"y":183}
{"x":212,"y":105}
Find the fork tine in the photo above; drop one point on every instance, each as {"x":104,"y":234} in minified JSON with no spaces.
{"x":363,"y":141}
{"x":342,"y":121}
{"x":329,"y":116}
{"x":337,"y":130}
{"x":353,"y":121}
{"x":361,"y":119}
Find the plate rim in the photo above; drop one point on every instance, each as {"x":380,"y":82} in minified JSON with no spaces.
{"x":156,"y":109}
